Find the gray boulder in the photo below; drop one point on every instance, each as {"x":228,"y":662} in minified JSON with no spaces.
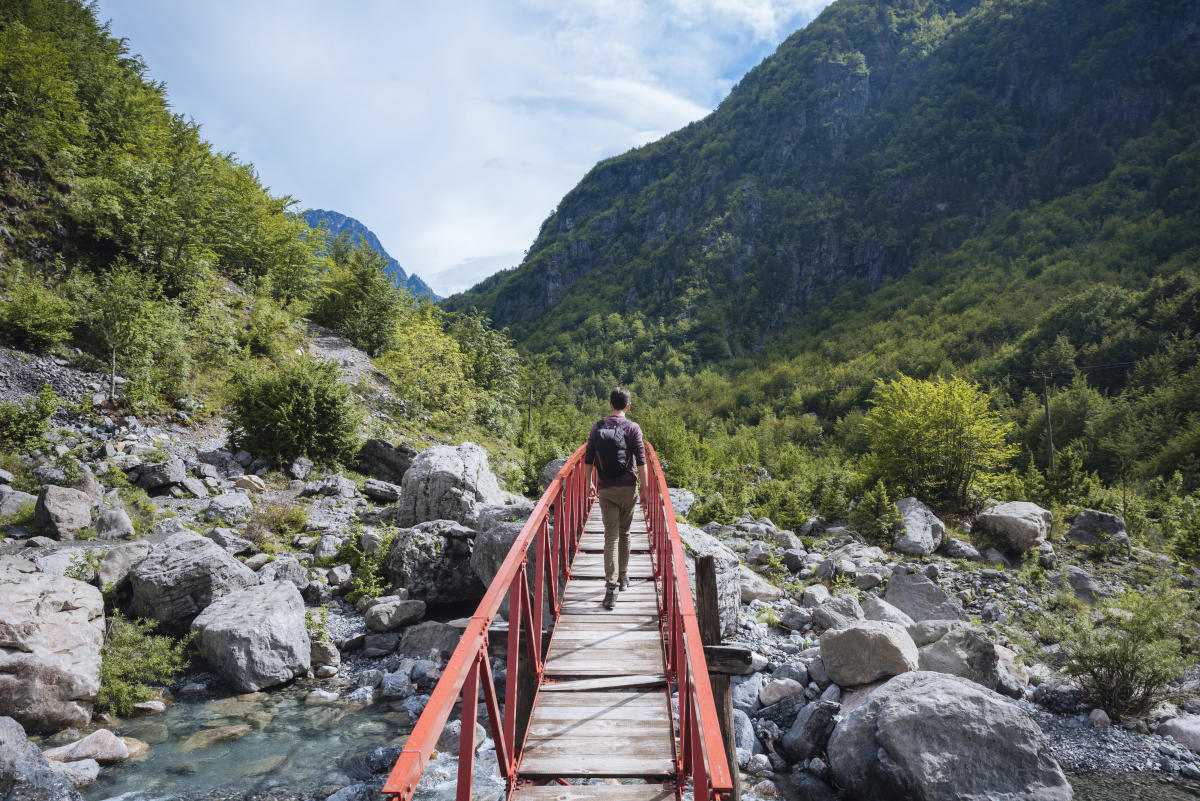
{"x":118,"y":561}
{"x":387,"y":462}
{"x":491,"y":549}
{"x":875,"y":608}
{"x":162,"y":474}
{"x":961,"y":650}
{"x":389,"y":614}
{"x":51,"y":632}
{"x":113,"y":524}
{"x":331,"y":487}
{"x":182,"y":575}
{"x":285,"y":568}
{"x":13,"y":502}
{"x":228,"y":539}
{"x":550,"y":470}
{"x":810,"y":732}
{"x":431,"y":635}
{"x":300,"y":468}
{"x":1020,"y":525}
{"x":255,"y":637}
{"x":381,"y":491}
{"x":61,"y":511}
{"x":935,"y":737}
{"x":918,"y":597}
{"x":1082,"y":583}
{"x":432,"y":561}
{"x":753,"y":587}
{"x":230,"y":508}
{"x":1090,"y":526}
{"x":448,"y":483}
{"x":923,"y":531}
{"x":26,"y":775}
{"x":729,"y":599}
{"x":745,"y":690}
{"x":682,"y":500}
{"x":960,"y":549}
{"x":867,"y":651}
{"x":491,"y":514}
{"x":837,"y":612}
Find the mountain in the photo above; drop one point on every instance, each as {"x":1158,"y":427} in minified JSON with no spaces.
{"x":338,"y":224}
{"x":882,"y":138}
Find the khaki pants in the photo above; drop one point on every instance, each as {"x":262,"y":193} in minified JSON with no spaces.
{"x":616,"y":509}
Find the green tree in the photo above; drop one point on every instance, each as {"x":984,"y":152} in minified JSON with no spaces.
{"x":356,"y":298}
{"x":936,"y":439}
{"x":133,"y":658}
{"x":428,"y":368}
{"x":35,"y":316}
{"x":876,"y":516}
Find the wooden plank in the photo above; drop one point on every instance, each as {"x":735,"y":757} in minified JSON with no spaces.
{"x":546,"y":729}
{"x":732,"y":660}
{"x":595,"y":765}
{"x":632,"y":699}
{"x":656,"y":745}
{"x":604,"y":664}
{"x":708,"y":619}
{"x":595,"y":792}
{"x":609,"y":683}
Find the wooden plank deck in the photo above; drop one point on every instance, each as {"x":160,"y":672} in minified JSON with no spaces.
{"x":603,"y":709}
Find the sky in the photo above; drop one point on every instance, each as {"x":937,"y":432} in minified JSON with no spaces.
{"x":450,"y":129}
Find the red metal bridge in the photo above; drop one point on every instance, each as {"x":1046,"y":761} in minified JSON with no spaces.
{"x":587,"y":692}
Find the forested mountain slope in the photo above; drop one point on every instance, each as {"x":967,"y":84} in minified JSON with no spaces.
{"x":337,"y":224}
{"x":881,"y":138}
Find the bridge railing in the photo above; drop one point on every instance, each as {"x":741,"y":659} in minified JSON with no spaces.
{"x":554,"y":537}
{"x":701,"y":749}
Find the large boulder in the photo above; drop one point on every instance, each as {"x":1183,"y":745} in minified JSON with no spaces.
{"x":61,"y":511}
{"x":51,"y":632}
{"x":923,"y":531}
{"x":1184,"y":729}
{"x":918,"y":597}
{"x":13,"y":502}
{"x":729,"y":594}
{"x":432,"y":561}
{"x":449,"y":483}
{"x":255,"y":637}
{"x":183,"y":575}
{"x":162,"y":474}
{"x":810,"y":732}
{"x":754,"y":587}
{"x":960,"y":649}
{"x":1020,"y":525}
{"x":682,"y":500}
{"x":421,"y":639}
{"x":25,"y":774}
{"x":118,"y":561}
{"x":1090,"y":526}
{"x":389,"y":614}
{"x":229,"y":507}
{"x":113,"y":524}
{"x":837,"y":612}
{"x":384,"y":461}
{"x":935,"y":737}
{"x":550,"y":470}
{"x":867,"y":651}
{"x":878,"y":609}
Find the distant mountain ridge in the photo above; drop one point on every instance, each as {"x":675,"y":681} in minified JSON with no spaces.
{"x":337,"y":224}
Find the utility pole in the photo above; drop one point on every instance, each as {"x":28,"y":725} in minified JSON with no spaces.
{"x":1049,"y":427}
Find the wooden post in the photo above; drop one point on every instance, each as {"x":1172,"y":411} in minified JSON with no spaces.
{"x":709,"y":620}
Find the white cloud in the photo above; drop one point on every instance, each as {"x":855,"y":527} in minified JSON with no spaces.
{"x":450,"y":129}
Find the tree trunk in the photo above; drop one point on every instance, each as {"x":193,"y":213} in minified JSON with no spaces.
{"x":112,"y":383}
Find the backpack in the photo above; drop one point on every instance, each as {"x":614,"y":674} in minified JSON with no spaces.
{"x":612,"y":455}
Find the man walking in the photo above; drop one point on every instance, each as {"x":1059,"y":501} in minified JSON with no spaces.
{"x":614,"y":447}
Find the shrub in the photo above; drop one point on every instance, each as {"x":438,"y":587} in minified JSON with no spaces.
{"x":1125,"y":652}
{"x":132,"y":658}
{"x":269,"y":521}
{"x":83,"y":565}
{"x":368,"y":570}
{"x":301,"y":408}
{"x":876,"y":516}
{"x":23,"y":426}
{"x":316,"y":622}
{"x":37,"y":317}
{"x":938,"y":440}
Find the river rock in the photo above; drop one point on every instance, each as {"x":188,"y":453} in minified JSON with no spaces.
{"x":867,"y":651}
{"x":61,"y":511}
{"x":113,"y":524}
{"x":101,"y":745}
{"x":918,"y":597}
{"x":923,"y":531}
{"x":754,"y":587}
{"x":1184,"y":729}
{"x":814,"y":595}
{"x":776,"y":690}
{"x":182,"y":575}
{"x":1019,"y":524}
{"x":810,"y":732}
{"x":331,"y":487}
{"x":229,"y":507}
{"x":255,"y":637}
{"x":26,"y":775}
{"x":942,"y":738}
{"x":13,"y":502}
{"x":682,"y":500}
{"x":431,"y":560}
{"x":960,"y":549}
{"x":162,"y":474}
{"x":744,"y":690}
{"x":51,"y":632}
{"x":1090,"y":525}
{"x":381,"y":491}
{"x":382,"y":460}
{"x":81,"y":773}
{"x":448,"y":483}
{"x":285,"y":567}
{"x":697,"y":543}
{"x":118,"y":561}
{"x":389,"y":614}
{"x":961,"y":650}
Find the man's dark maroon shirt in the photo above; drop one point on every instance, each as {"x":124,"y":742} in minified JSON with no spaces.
{"x":633,"y":444}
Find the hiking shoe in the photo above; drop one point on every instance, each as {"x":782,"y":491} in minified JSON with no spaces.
{"x":610,"y":598}
{"x":623,"y":582}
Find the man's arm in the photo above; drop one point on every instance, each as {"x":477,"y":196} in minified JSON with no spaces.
{"x":643,"y":485}
{"x":590,"y":479}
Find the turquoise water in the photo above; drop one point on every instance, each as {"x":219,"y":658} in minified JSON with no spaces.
{"x":1131,"y":787}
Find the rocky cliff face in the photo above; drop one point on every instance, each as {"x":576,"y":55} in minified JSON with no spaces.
{"x":880,"y":136}
{"x":338,"y":224}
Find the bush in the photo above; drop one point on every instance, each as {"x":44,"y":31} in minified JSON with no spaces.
{"x":937,"y":440}
{"x":301,"y":408}
{"x":316,"y":622}
{"x":23,"y":426}
{"x":36,"y":317}
{"x":1128,"y":650}
{"x":132,"y":658}
{"x":271,"y":521}
{"x":368,"y":570}
{"x":876,"y":516}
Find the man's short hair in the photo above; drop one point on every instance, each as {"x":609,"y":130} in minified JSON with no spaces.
{"x":619,"y":398}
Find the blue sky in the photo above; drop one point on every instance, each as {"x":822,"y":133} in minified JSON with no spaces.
{"x":451,"y":129}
